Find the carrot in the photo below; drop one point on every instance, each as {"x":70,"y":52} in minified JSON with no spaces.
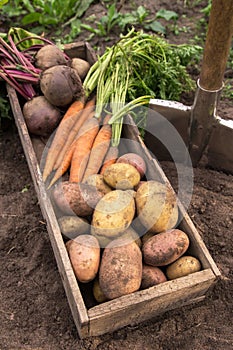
{"x":110,"y":158}
{"x":82,"y":150}
{"x":75,"y":107}
{"x":86,"y":114}
{"x":99,"y":150}
{"x":65,"y":164}
{"x":60,"y":136}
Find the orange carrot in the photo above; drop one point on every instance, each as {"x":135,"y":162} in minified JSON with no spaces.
{"x":86,"y":114}
{"x":65,"y":164}
{"x":82,"y":150}
{"x":60,"y":137}
{"x":99,"y":150}
{"x":75,"y":107}
{"x":111,"y":158}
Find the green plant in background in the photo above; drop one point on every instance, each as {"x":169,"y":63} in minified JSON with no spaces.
{"x":3,"y":2}
{"x":46,"y":13}
{"x":139,"y":18}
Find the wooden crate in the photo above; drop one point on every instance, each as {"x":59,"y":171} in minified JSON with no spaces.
{"x":92,"y":319}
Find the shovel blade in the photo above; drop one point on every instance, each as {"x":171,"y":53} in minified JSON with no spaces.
{"x":219,"y":151}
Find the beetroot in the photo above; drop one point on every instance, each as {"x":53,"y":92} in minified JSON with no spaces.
{"x":40,"y":116}
{"x":61,"y":85}
{"x":49,"y":56}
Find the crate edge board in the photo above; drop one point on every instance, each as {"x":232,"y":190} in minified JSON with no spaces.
{"x":60,"y":252}
{"x":145,"y":304}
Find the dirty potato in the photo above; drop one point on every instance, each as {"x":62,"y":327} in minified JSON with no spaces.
{"x":121,"y":176}
{"x":120,"y":270}
{"x":113,"y":214}
{"x":165,"y":247}
{"x":183,"y":267}
{"x":156,"y":206}
{"x":73,"y":226}
{"x":151,"y":276}
{"x":84,"y":253}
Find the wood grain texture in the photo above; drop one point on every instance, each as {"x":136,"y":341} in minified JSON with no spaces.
{"x":143,"y":305}
{"x":217,"y":46}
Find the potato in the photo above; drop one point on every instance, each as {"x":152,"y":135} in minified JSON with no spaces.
{"x":135,"y":160}
{"x":120,"y":269}
{"x":76,"y":198}
{"x":121,"y":176}
{"x":151,"y":276}
{"x":165,"y":247}
{"x":84,"y":253}
{"x":183,"y":267}
{"x":98,"y":293}
{"x":81,"y":66}
{"x":97,"y":180}
{"x":73,"y":226}
{"x":113,"y":214}
{"x":156,"y":206}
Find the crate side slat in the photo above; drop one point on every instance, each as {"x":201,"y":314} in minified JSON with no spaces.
{"x":142,"y":305}
{"x":63,"y":262}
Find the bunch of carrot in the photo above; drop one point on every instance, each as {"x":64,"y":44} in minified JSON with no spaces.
{"x":80,"y":144}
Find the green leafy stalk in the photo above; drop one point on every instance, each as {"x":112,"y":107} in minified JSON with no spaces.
{"x":138,"y":67}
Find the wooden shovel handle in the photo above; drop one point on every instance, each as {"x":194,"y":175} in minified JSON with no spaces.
{"x":217,"y":46}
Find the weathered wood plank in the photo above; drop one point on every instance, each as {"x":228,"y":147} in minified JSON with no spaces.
{"x":64,"y":266}
{"x":142,"y":305}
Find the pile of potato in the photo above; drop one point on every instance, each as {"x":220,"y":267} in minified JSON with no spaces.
{"x":122,"y":230}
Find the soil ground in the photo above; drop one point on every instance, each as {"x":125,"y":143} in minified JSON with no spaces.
{"x":34,"y":312}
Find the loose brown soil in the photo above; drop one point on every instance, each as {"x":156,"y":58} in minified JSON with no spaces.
{"x":34,"y":312}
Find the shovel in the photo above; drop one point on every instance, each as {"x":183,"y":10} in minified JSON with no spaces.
{"x":202,"y":130}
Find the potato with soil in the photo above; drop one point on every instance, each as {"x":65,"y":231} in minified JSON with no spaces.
{"x":84,"y":253}
{"x":76,"y":198}
{"x":151,"y":276}
{"x":121,"y":176}
{"x":97,"y":180}
{"x":41,"y":117}
{"x":165,"y":247}
{"x":157,"y":207}
{"x":120,"y":269}
{"x":73,"y":226}
{"x":81,"y":66}
{"x":135,"y":160}
{"x":97,"y":292}
{"x":113,"y":214}
{"x":183,"y":267}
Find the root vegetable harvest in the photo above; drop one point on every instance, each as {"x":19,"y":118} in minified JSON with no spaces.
{"x":87,"y":113}
{"x":69,"y":148}
{"x":40,"y":116}
{"x":82,"y":150}
{"x":60,"y":138}
{"x":49,"y":56}
{"x":17,"y":60}
{"x":61,"y":85}
{"x":98,"y":150}
{"x":110,"y":158}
